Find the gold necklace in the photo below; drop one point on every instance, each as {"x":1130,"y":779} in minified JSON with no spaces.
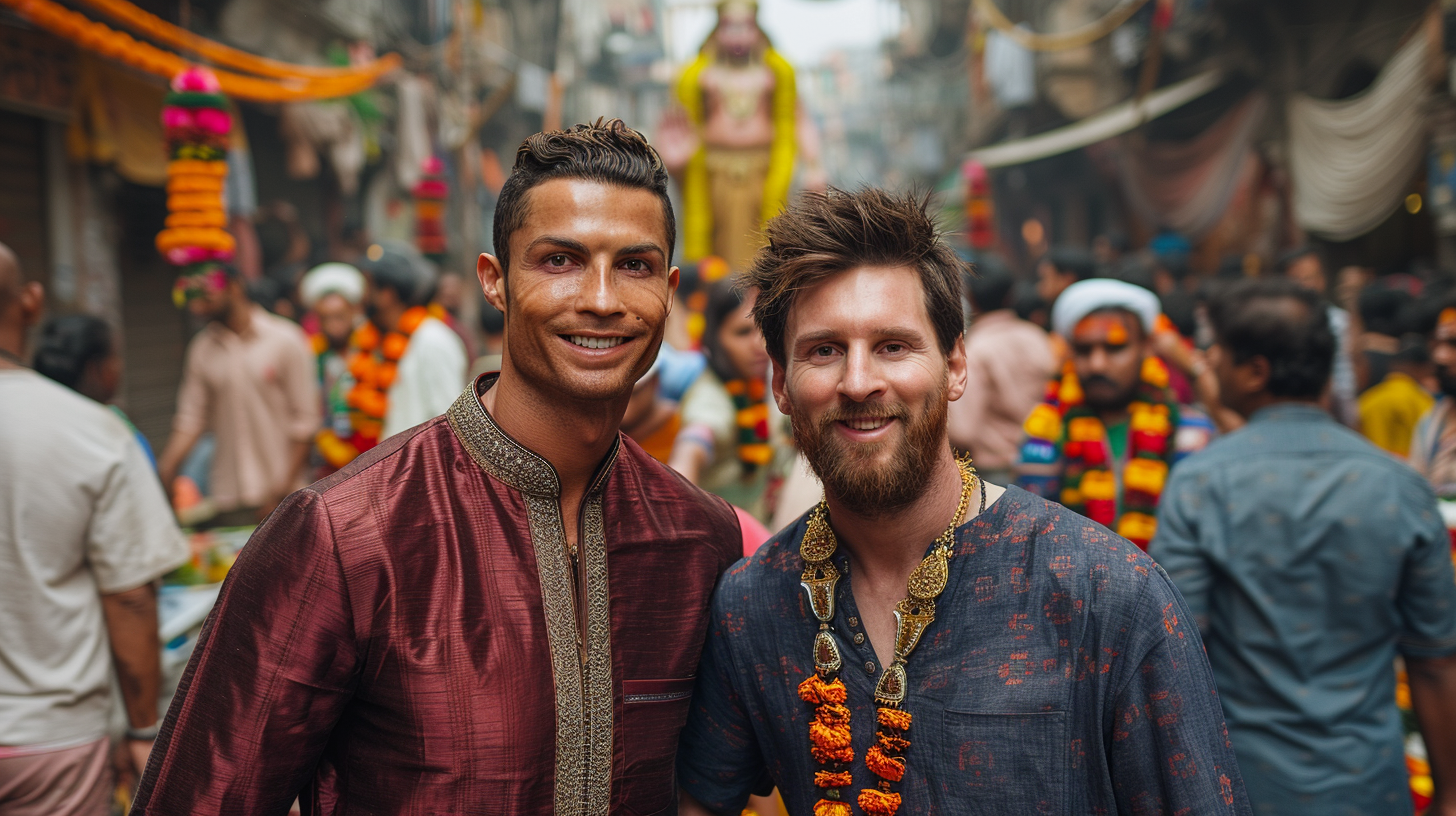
{"x":829,"y":731}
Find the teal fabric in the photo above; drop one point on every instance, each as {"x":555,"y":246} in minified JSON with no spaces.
{"x":1310,"y":559}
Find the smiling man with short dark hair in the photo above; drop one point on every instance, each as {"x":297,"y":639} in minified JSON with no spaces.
{"x":501,"y":610}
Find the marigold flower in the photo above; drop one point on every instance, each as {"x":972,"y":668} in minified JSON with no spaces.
{"x":815,"y":691}
{"x":892,"y":745}
{"x":828,"y":755}
{"x":832,"y":715}
{"x":832,"y":779}
{"x":878,"y":803}
{"x":825,"y":807}
{"x":885,"y":767}
{"x":895,"y":718}
{"x":829,"y":736}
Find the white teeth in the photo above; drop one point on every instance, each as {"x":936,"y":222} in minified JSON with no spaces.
{"x":596,"y":342}
{"x":866,"y":423}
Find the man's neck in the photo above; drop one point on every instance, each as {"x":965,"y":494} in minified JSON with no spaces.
{"x":12,"y":344}
{"x":239,"y":317}
{"x":1266,"y":400}
{"x":573,"y":437}
{"x":885,"y":549}
{"x":388,"y":318}
{"x":1114,"y":416}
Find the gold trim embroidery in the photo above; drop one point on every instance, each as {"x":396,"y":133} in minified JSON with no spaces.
{"x":582,"y":674}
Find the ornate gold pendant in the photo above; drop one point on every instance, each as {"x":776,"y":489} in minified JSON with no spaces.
{"x":819,"y":580}
{"x":819,"y":542}
{"x":928,"y":580}
{"x":826,"y":653}
{"x":912,"y":618}
{"x":890,"y":690}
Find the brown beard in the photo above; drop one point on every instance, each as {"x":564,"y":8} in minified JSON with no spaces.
{"x":851,"y":472}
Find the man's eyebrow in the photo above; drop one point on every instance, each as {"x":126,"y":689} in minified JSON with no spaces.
{"x":822,"y":335}
{"x":644,"y":248}
{"x":557,"y":240}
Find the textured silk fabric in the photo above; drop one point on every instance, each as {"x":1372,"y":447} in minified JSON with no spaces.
{"x":382,"y":645}
{"x":1062,"y":675}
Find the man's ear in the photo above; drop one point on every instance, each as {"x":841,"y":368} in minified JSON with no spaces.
{"x":674,"y":277}
{"x":780,"y":389}
{"x":32,"y":303}
{"x":492,"y":277}
{"x":1253,"y":375}
{"x":955,"y":364}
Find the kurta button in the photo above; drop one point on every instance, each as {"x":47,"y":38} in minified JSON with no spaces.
{"x":854,"y":621}
{"x":870,"y":666}
{"x":859,"y":637}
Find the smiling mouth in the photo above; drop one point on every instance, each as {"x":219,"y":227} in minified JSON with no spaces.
{"x":867,"y":423}
{"x":594,"y":342}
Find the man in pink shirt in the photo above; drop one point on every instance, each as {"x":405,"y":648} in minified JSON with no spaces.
{"x":249,"y":379}
{"x":1008,"y":363}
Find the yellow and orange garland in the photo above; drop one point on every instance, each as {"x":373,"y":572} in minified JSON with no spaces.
{"x":278,"y":82}
{"x":750,"y":408}
{"x":830,"y":737}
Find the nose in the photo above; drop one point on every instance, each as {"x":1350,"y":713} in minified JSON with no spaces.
{"x":862,"y":377}
{"x":1097,"y":360}
{"x":598,"y":294}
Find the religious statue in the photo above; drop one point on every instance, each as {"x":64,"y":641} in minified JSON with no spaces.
{"x":733,"y":141}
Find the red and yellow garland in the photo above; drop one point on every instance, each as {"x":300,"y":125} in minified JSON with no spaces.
{"x":1064,"y":427}
{"x":750,"y":407}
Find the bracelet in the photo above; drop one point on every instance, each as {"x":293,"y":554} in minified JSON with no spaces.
{"x":148,"y":734}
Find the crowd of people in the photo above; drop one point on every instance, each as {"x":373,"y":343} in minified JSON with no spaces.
{"x":1239,"y":637}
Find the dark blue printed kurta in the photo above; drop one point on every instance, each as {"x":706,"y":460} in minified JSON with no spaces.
{"x":1063,"y":675}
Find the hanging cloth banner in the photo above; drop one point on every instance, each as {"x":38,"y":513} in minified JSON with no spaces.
{"x":1351,"y":160}
{"x":123,"y":48}
{"x":1114,"y":121}
{"x":1187,"y":186}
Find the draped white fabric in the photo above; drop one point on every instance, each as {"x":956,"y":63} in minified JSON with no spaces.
{"x":1352,"y":160}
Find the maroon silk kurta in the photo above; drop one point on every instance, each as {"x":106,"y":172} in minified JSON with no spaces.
{"x":413,"y":636}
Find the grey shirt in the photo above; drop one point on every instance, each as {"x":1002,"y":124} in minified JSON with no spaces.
{"x":1310,"y":558}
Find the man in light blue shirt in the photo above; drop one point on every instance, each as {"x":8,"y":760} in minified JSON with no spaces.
{"x":1310,"y":560}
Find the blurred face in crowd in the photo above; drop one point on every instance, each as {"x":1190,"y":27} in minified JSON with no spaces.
{"x":1050,"y":281}
{"x":589,"y":289}
{"x":210,"y":294}
{"x":337,"y":317}
{"x":1308,"y":272}
{"x":101,"y":378}
{"x":1108,"y":348}
{"x":866,"y":385}
{"x":740,"y":338}
{"x":1443,"y":351}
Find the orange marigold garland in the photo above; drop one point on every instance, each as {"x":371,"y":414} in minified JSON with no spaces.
{"x":374,"y":365}
{"x":830,"y":737}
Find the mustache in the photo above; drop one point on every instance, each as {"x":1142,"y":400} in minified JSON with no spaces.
{"x":865,"y":410}
{"x":1098,"y":379}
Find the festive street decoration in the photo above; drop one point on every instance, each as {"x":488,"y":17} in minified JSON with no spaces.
{"x":197,"y":125}
{"x":127,"y":50}
{"x":430,"y":194}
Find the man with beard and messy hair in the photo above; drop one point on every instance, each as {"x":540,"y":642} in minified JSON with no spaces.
{"x":1110,"y":429}
{"x":500,"y":610}
{"x":1433,"y":446}
{"x":922,"y":641}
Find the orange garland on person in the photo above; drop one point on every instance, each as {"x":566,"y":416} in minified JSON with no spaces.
{"x":375,"y":364}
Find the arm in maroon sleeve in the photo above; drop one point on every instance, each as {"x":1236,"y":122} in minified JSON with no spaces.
{"x":273,"y":670}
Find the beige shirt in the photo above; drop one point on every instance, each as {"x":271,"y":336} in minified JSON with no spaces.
{"x":430,"y":376}
{"x":257,"y":393}
{"x":1008,"y":364}
{"x":81,"y":515}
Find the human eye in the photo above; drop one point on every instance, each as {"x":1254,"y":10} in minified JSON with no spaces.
{"x":894,"y":347}
{"x":558,"y":259}
{"x":636,"y":265}
{"x":823,"y":352}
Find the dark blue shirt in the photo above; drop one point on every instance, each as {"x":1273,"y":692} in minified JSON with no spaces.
{"x":1062,"y":675}
{"x":1309,"y":556}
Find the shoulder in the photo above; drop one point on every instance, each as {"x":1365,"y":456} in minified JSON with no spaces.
{"x":1069,"y":553}
{"x":636,"y":471}
{"x":32,"y":395}
{"x":281,"y":327}
{"x":767,"y":582}
{"x":411,"y":462}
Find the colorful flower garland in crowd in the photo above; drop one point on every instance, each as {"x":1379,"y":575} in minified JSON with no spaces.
{"x":751,"y":410}
{"x":197,"y":126}
{"x":430,"y":194}
{"x":123,"y":48}
{"x":1064,"y":429}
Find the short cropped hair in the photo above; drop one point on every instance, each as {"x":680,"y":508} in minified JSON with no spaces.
{"x":990,"y":285}
{"x":1278,"y":320}
{"x":822,"y":234}
{"x":1078,"y":263}
{"x":605,"y":151}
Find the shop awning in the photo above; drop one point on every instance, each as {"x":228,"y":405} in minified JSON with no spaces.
{"x":1114,"y":121}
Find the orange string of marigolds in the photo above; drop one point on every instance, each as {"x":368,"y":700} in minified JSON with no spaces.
{"x":375,"y":365}
{"x":830,"y":737}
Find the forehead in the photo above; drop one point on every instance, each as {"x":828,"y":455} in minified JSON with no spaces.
{"x":861,"y":301}
{"x":1446,"y":325}
{"x":593,"y":212}
{"x":1113,"y":327}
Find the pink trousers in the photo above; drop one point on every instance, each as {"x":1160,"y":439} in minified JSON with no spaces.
{"x":66,"y":782}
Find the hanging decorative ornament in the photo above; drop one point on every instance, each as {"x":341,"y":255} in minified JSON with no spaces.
{"x":430,"y":194}
{"x":197,"y":124}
